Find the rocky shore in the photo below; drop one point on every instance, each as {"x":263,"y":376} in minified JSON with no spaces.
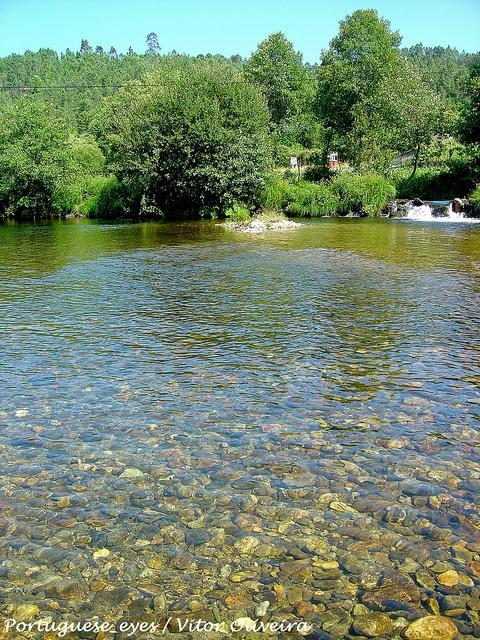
{"x":258,"y":224}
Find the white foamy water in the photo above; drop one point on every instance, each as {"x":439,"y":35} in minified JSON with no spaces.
{"x":436,"y":211}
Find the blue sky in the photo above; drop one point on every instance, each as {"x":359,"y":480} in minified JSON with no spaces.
{"x":224,"y":26}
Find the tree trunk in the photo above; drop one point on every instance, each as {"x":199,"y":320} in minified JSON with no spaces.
{"x":415,"y":162}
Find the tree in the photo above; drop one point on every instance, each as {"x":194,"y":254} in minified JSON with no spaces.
{"x":113,"y":53}
{"x":277,"y":69}
{"x":443,"y":69}
{"x":402,"y":115}
{"x":85,"y":47}
{"x":191,"y":136}
{"x":236,"y":59}
{"x":470,"y":124}
{"x":153,"y":46}
{"x":34,"y":159}
{"x":361,"y":57}
{"x":99,"y":50}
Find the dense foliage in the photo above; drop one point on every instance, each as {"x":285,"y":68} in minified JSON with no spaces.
{"x":189,"y":138}
{"x":43,"y":167}
{"x":102,"y":133}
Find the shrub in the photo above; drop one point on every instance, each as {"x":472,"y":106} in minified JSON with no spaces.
{"x":311,"y":199}
{"x":101,"y":197}
{"x":193,"y":134}
{"x":274,"y":195}
{"x":363,"y":193}
{"x":436,"y":183}
{"x":475,"y":197}
{"x":34,"y":159}
{"x":238,"y":213}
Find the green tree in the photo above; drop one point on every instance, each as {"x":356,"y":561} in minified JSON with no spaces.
{"x":470,"y":125}
{"x":191,"y":136}
{"x":85,"y":47}
{"x":278,"y":70}
{"x":402,"y":115}
{"x":153,"y":46}
{"x":34,"y":158}
{"x":443,"y":69}
{"x":360,"y":58}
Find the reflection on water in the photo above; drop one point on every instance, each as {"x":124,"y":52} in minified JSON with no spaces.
{"x":199,"y":423}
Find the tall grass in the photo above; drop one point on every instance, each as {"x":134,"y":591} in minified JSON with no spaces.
{"x":238,"y":213}
{"x":275,"y":193}
{"x":311,"y":199}
{"x":362,"y":193}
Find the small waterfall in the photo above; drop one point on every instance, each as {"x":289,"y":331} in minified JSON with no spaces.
{"x":433,"y":210}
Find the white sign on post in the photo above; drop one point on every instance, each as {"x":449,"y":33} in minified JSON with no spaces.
{"x":293,"y":162}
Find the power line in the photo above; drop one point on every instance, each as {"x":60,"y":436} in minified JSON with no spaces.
{"x":76,"y":86}
{"x":9,"y":87}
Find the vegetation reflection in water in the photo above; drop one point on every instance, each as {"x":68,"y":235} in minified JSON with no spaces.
{"x":199,"y":423}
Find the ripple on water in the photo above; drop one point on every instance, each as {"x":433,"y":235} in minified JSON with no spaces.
{"x":212,"y":426}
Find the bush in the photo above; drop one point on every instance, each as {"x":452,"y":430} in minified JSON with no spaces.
{"x":362,"y":193}
{"x":34,"y":160}
{"x":311,"y":199}
{"x":274,"y":195}
{"x":193,"y":134}
{"x":238,"y":213}
{"x":439,"y":183}
{"x":104,"y":198}
{"x":475,"y":197}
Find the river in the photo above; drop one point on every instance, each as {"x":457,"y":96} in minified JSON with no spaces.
{"x":197,"y":422}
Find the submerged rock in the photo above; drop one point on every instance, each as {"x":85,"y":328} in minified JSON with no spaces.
{"x":431,"y":628}
{"x":449,"y":578}
{"x":372,"y":625}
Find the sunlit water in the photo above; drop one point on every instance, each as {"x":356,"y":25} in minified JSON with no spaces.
{"x":186,"y":410}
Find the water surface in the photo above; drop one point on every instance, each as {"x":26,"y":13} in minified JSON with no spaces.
{"x":187,"y":410}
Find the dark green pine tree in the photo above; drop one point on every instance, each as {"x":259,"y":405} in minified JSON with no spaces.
{"x":85,"y":46}
{"x":153,"y":46}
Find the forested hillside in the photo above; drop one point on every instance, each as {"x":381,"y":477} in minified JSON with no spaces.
{"x":108,"y":133}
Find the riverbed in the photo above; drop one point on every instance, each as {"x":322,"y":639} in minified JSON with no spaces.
{"x":200,"y":424}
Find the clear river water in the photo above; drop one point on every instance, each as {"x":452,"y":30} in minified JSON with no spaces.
{"x":199,"y":423}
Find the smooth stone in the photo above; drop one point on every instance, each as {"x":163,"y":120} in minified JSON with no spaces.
{"x":63,"y":588}
{"x":454,"y":605}
{"x":241,"y":576}
{"x":391,"y":597}
{"x":261,"y":608}
{"x":449,"y":578}
{"x":425,"y":580}
{"x":159,"y":602}
{"x":431,"y":628}
{"x":295,"y":567}
{"x":197,"y":537}
{"x":131,"y":473}
{"x":25,"y":612}
{"x":416,"y":488}
{"x":327,"y":565}
{"x":372,"y":625}
{"x":247,"y":545}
